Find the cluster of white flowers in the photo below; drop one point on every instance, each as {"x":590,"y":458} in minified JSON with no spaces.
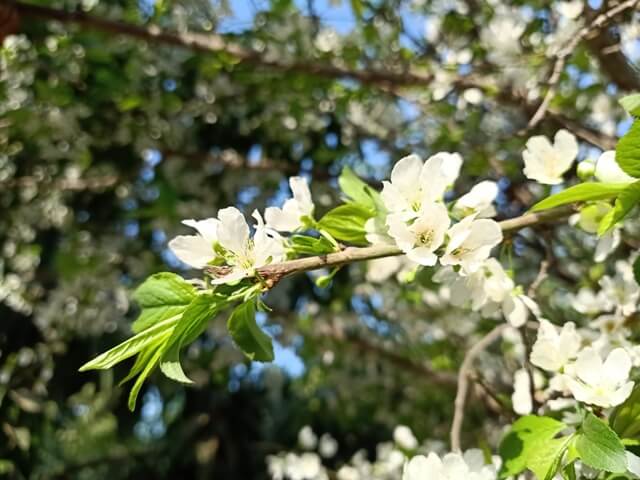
{"x":404,"y":458}
{"x":419,"y":222}
{"x":453,"y":466}
{"x":592,"y":364}
{"x":227,"y":240}
{"x":590,"y":374}
{"x":489,"y":290}
{"x":307,"y":465}
{"x":415,"y":218}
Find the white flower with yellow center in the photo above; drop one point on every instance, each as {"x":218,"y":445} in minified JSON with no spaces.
{"x":470,"y":243}
{"x":420,"y":238}
{"x":242,"y":253}
{"x":478,"y":201}
{"x":602,"y":383}
{"x":415,"y":184}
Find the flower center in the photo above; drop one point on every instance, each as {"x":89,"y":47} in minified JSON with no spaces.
{"x":425,"y":238}
{"x":460,"y":251}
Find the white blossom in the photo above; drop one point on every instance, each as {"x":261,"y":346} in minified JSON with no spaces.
{"x":488,"y":285}
{"x":453,"y":466}
{"x":570,"y":9}
{"x":404,"y":438}
{"x":328,"y":446}
{"x":347,"y":472}
{"x":608,"y":170}
{"x":470,"y":243}
{"x":292,"y":214}
{"x":633,"y":464}
{"x":546,"y":163}
{"x":586,"y":301}
{"x":479,"y":201}
{"x":553,"y":348}
{"x":415,"y":184}
{"x":521,"y":398}
{"x":502,"y":36}
{"x":516,"y":309}
{"x":422,"y":237}
{"x":381,"y":269}
{"x":328,"y":40}
{"x":377,"y":231}
{"x":197,"y":250}
{"x":602,"y":383}
{"x":241,"y":252}
{"x":306,"y":438}
{"x":620,"y":291}
{"x":607,"y":243}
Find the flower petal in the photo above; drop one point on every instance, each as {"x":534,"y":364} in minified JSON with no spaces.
{"x":207,"y":228}
{"x":233,"y":231}
{"x":193,"y":250}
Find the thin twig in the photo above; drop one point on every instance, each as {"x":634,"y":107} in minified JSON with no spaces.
{"x":463,"y":382}
{"x":563,"y":55}
{"x":542,"y":274}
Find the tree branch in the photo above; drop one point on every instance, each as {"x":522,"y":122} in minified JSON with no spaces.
{"x":332,"y":333}
{"x":273,"y":273}
{"x":563,"y":55}
{"x":463,"y":382}
{"x":214,"y":43}
{"x":605,"y":46}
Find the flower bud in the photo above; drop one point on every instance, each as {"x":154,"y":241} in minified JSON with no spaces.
{"x":586,"y":169}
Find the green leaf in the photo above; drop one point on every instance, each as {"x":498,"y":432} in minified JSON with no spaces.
{"x":631,"y":103}
{"x":569,"y":471}
{"x":545,"y":460}
{"x":141,"y":362}
{"x":170,"y":365}
{"x":193,"y":322}
{"x":151,"y":364}
{"x":161,"y":296}
{"x":358,"y":191}
{"x":626,"y":200}
{"x":346,"y":223}
{"x":625,"y":418}
{"x":599,"y":446}
{"x":357,"y":8}
{"x":245,"y":332}
{"x":628,"y":151}
{"x":155,"y":334}
{"x":306,"y":245}
{"x":636,"y":270}
{"x":580,"y":193}
{"x":520,"y":445}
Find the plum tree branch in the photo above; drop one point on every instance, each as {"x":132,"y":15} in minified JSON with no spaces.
{"x":273,"y":273}
{"x":565,"y":53}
